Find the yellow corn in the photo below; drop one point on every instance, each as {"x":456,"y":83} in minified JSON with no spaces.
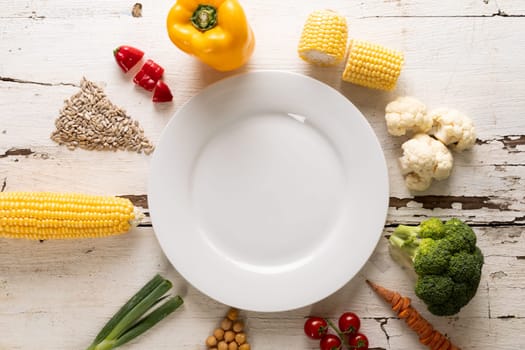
{"x":323,"y":40}
{"x":372,"y":65}
{"x":45,"y":215}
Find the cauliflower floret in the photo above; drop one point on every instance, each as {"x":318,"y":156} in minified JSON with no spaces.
{"x":453,"y":128}
{"x":407,"y":114}
{"x":424,"y":158}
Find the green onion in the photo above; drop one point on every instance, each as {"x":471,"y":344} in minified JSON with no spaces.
{"x":128,"y":323}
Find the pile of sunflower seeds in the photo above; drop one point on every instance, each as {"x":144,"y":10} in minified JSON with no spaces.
{"x":90,"y":121}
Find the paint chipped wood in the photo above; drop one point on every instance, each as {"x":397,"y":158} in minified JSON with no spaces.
{"x":16,"y":152}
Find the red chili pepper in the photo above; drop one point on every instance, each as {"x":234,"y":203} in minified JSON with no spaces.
{"x":148,"y":75}
{"x":127,"y":57}
{"x":162,"y":92}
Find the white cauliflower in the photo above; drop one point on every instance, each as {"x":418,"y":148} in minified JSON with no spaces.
{"x":424,"y":158}
{"x":453,"y":128}
{"x":406,"y":114}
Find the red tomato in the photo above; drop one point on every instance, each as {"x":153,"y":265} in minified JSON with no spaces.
{"x":359,"y":341}
{"x":315,"y":327}
{"x":330,"y":342}
{"x":349,"y":323}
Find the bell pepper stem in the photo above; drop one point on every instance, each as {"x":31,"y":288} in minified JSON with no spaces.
{"x":204,"y":18}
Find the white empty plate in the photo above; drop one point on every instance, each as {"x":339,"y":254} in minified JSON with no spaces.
{"x":268,"y":191}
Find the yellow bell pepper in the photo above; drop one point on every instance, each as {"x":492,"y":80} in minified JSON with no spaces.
{"x":215,"y":31}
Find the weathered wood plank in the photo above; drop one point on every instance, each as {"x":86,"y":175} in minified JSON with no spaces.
{"x":40,"y":10}
{"x":468,"y":60}
{"x":65,"y":171}
{"x":511,"y":7}
{"x":36,"y":291}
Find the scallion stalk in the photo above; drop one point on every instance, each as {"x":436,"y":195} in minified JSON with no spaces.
{"x":127,"y":323}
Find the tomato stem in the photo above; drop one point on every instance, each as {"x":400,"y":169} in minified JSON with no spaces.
{"x":340,"y":334}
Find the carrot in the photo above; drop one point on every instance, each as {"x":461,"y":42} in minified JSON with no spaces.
{"x":424,"y":329}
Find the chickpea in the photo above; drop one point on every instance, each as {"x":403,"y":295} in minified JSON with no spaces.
{"x":240,"y":338}
{"x":245,"y":346}
{"x":229,"y":336}
{"x":219,"y":333}
{"x":233,"y":346}
{"x":238,"y":326}
{"x":211,"y":341}
{"x":226,"y":324}
{"x":232,"y":314}
{"x":222,"y":345}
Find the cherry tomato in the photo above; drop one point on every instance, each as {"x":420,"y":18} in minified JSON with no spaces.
{"x":359,"y":341}
{"x":330,"y":342}
{"x":315,"y":327}
{"x":349,"y":323}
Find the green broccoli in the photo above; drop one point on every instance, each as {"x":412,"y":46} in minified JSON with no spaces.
{"x":445,"y":259}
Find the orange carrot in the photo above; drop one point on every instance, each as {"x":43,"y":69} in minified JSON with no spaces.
{"x":425,"y":331}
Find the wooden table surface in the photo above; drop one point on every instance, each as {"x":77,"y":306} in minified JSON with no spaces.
{"x":465,"y":54}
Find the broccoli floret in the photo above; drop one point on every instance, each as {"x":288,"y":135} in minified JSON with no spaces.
{"x":462,"y":293}
{"x":432,"y":228}
{"x":460,"y":235}
{"x":431,"y":259}
{"x":445,"y":259}
{"x":466,"y":267}
{"x":435,"y":289}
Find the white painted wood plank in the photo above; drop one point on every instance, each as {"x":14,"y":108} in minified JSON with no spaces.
{"x":61,"y":292}
{"x":511,"y":7}
{"x":465,"y":61}
{"x":497,"y":196}
{"x":477,"y":49}
{"x":76,"y":8}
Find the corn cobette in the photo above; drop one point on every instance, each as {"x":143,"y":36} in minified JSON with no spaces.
{"x":323,"y":40}
{"x":372,"y":65}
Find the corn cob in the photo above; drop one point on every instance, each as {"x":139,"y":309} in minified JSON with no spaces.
{"x":323,"y":40}
{"x":45,"y":215}
{"x":372,"y":65}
